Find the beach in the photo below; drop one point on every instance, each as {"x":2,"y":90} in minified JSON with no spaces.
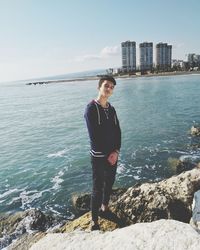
{"x":125,"y":76}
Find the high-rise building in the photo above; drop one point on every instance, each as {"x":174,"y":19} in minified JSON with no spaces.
{"x":146,"y":56}
{"x":194,"y":60}
{"x":163,"y":56}
{"x":128,"y":56}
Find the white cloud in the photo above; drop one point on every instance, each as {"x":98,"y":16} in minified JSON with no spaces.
{"x":177,"y":45}
{"x":104,"y":53}
{"x":110,"y":51}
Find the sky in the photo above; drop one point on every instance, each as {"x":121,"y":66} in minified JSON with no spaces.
{"x":40,"y":38}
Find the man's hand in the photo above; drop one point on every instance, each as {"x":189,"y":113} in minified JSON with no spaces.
{"x":112,"y":158}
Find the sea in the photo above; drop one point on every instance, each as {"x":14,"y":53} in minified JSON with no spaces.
{"x":44,"y":145}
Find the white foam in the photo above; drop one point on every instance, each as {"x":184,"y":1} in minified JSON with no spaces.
{"x":8,"y":192}
{"x":121,"y":168}
{"x":57,"y":180}
{"x":27,"y":197}
{"x":136,"y":177}
{"x":60,"y":153}
{"x":151,"y":166}
{"x":189,"y":157}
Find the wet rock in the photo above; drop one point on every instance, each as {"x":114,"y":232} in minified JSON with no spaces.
{"x":178,"y":166}
{"x":185,"y":165}
{"x":81,"y":203}
{"x":195,"y":130}
{"x":14,"y":226}
{"x":167,"y":199}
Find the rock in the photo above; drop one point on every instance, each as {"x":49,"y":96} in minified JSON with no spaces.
{"x":195,"y":220}
{"x":14,"y":226}
{"x":195,"y":130}
{"x":180,"y":165}
{"x":26,"y":241}
{"x":81,"y":203}
{"x":162,"y":234}
{"x":184,"y":165}
{"x":167,"y":199}
{"x":83,"y":223}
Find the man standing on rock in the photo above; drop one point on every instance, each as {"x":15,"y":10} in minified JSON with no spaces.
{"x":105,"y":139}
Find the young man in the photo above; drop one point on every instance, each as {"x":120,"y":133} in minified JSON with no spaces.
{"x":105,"y":139}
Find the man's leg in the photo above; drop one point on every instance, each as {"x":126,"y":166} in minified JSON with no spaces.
{"x":109,"y":179}
{"x":97,"y":191}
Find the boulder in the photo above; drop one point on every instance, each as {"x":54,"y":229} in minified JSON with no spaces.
{"x":184,"y":165}
{"x":83,"y":223}
{"x":167,"y":199}
{"x":26,"y":241}
{"x":195,"y":130}
{"x":81,"y":202}
{"x":162,"y":234}
{"x":195,"y":220}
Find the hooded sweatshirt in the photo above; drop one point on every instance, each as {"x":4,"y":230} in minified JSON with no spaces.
{"x":103,"y":128}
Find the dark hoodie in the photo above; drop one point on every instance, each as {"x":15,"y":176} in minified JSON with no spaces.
{"x":103,"y":128}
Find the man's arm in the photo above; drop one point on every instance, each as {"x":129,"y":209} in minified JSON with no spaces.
{"x":93,"y":129}
{"x":113,"y":157}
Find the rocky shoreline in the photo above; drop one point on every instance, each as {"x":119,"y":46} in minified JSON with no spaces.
{"x":167,"y":202}
{"x":169,"y":199}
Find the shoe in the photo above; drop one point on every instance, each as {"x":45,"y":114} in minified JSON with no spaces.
{"x":94,"y":226}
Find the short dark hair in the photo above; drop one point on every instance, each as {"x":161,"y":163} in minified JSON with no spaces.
{"x":108,"y":78}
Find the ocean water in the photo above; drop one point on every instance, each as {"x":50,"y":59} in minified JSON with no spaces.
{"x":44,"y":146}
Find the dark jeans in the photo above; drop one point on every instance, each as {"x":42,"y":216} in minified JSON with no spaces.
{"x":103,"y":179}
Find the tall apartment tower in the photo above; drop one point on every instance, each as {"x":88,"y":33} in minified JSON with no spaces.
{"x":128,"y":56}
{"x":191,"y":59}
{"x":146,"y":56}
{"x":163,"y":56}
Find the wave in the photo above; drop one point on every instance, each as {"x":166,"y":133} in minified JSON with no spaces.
{"x":189,"y":157}
{"x":57,"y":180}
{"x":27,"y":197}
{"x":60,"y":153}
{"x":8,"y":192}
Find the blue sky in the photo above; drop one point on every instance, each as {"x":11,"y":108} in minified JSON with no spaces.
{"x":51,"y":37}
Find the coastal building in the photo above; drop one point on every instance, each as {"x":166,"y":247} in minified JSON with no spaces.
{"x":163,"y":56}
{"x":178,"y":64}
{"x":113,"y":71}
{"x":128,"y":56}
{"x":146,"y":56}
{"x":193,"y":60}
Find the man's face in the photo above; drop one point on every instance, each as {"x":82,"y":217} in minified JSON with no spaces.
{"x":106,"y":88}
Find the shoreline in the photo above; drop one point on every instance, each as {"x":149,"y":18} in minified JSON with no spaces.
{"x":90,"y":78}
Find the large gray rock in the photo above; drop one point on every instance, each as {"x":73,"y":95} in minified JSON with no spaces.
{"x":26,"y":241}
{"x":167,"y":199}
{"x":162,"y":234}
{"x":195,"y":220}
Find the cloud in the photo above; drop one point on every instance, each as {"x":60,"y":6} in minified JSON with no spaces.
{"x":179,"y":45}
{"x":110,"y":51}
{"x":104,"y":53}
